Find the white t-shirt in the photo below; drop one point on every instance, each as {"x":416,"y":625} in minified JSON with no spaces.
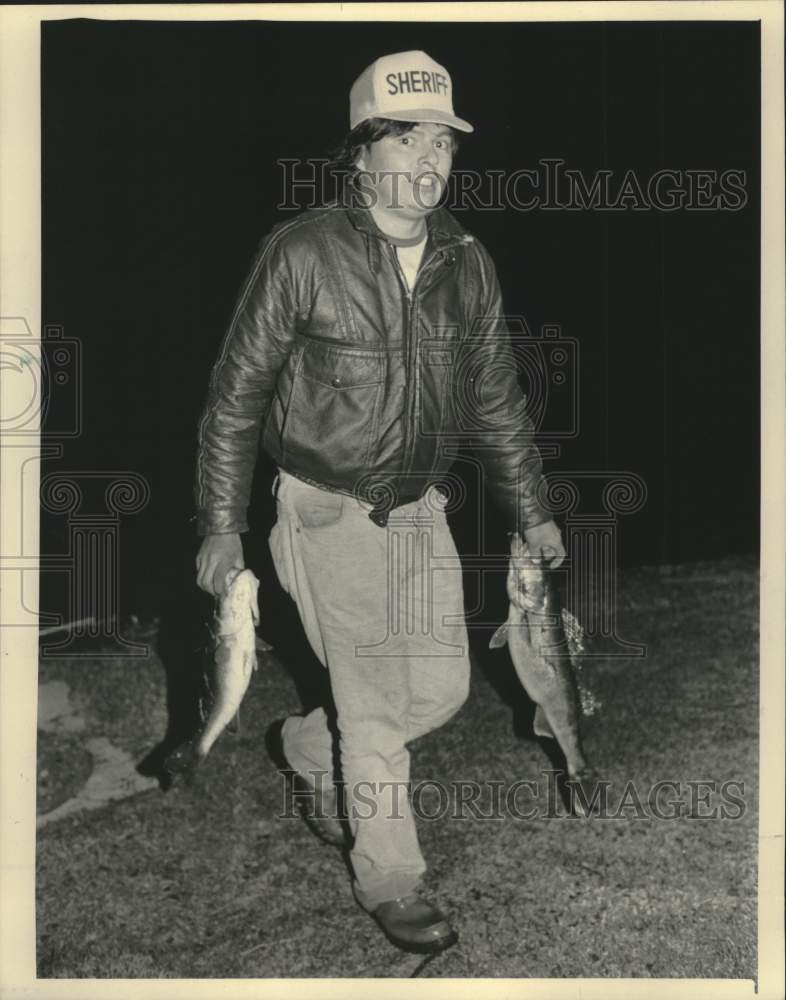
{"x":409,"y":258}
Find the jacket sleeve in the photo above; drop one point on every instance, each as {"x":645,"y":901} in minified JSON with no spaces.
{"x":501,"y":432}
{"x":254,"y":349}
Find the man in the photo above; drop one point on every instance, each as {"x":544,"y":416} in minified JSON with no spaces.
{"x":367,"y":334}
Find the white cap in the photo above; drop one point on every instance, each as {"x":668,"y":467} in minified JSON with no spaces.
{"x":407,"y":87}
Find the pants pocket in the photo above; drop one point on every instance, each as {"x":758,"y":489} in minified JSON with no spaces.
{"x":318,"y":509}
{"x":276,"y":542}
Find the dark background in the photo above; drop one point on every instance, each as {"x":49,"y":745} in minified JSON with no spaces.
{"x":160,"y":144}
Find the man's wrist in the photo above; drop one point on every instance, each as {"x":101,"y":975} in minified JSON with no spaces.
{"x":536,"y":522}
{"x":222,"y":521}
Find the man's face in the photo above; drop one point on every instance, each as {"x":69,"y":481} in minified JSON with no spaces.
{"x":408,"y":173}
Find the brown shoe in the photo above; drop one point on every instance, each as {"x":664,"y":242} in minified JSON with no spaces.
{"x":318,"y":809}
{"x":415,"y":925}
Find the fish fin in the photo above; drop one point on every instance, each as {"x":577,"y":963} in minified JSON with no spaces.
{"x":255,"y":599}
{"x":540,"y":724}
{"x":233,"y":726}
{"x":500,"y":637}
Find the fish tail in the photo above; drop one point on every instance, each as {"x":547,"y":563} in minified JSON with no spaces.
{"x":540,"y":724}
{"x":183,"y":761}
{"x":234,"y":724}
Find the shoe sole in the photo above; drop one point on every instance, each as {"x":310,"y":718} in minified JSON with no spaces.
{"x":427,"y":947}
{"x":275,"y":751}
{"x":313,"y":827}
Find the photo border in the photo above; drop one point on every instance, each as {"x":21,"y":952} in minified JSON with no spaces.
{"x":20,"y":268}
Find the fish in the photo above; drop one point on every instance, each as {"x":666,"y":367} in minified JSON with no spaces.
{"x":235,"y":656}
{"x":544,"y":659}
{"x":234,"y":661}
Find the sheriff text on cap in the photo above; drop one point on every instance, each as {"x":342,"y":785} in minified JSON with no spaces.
{"x":407,"y":87}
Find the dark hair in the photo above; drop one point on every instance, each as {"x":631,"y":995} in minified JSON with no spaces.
{"x":343,"y":159}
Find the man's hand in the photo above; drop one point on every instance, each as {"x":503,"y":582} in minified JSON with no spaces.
{"x":546,"y":540}
{"x":217,"y":555}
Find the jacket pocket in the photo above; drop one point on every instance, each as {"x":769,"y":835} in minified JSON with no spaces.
{"x":333,"y":412}
{"x":438,"y":357}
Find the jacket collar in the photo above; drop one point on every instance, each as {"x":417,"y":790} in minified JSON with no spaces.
{"x":443,"y":228}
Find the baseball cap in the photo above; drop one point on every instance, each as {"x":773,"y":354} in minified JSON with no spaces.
{"x":405,"y":86}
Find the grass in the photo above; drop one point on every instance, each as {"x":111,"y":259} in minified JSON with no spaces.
{"x":207,"y":882}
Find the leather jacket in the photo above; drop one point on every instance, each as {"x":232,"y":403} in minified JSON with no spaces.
{"x":357,"y":385}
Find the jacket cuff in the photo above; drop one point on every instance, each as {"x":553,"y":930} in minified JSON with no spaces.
{"x":533,"y":519}
{"x":221,"y":521}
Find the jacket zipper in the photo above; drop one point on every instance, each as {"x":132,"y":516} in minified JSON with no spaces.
{"x":406,"y":313}
{"x":412,"y":386}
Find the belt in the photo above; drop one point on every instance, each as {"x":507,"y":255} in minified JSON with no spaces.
{"x":380,"y":511}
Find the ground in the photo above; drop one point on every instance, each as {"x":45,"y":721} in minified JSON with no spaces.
{"x":206,"y":881}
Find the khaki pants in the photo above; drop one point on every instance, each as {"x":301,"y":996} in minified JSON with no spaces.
{"x":383,"y":610}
